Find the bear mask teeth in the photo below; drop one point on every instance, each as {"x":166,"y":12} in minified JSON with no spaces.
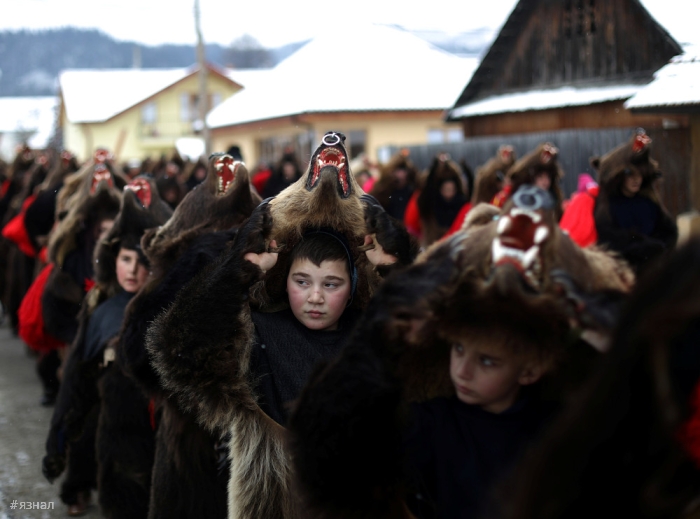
{"x":331,"y":157}
{"x":225,"y":168}
{"x":142,"y":189}
{"x":520,"y":236}
{"x":100,"y":174}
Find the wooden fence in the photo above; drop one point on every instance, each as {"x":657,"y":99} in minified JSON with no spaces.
{"x":670,"y":147}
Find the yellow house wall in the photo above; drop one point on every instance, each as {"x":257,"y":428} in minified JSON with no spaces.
{"x":126,"y":137}
{"x":381,"y":130}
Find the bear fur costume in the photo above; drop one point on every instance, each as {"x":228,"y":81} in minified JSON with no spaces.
{"x":185,"y":479}
{"x":519,"y":274}
{"x":96,"y":196}
{"x":72,"y":435}
{"x":635,"y":247}
{"x":385,"y":186}
{"x":629,"y":443}
{"x":430,"y":203}
{"x":201,"y":347}
{"x":491,"y":175}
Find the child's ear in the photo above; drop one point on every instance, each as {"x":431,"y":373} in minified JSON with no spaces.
{"x":530,"y":374}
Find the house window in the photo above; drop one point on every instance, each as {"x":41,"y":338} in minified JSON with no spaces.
{"x":436,"y":136}
{"x":215,"y":100}
{"x":356,"y":142}
{"x":185,"y":108}
{"x":455,"y":135}
{"x":149,"y":113}
{"x":579,"y":18}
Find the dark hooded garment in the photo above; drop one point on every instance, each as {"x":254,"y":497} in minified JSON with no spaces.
{"x":105,"y":323}
{"x":285,"y":353}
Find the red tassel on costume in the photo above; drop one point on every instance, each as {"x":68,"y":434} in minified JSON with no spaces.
{"x":459,"y":220}
{"x":502,"y":196}
{"x":88,"y":284}
{"x":31,"y":320}
{"x":578,"y":218}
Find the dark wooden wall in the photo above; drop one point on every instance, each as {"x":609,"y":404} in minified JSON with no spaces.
{"x":579,"y":41}
{"x":601,"y":115}
{"x":670,"y":147}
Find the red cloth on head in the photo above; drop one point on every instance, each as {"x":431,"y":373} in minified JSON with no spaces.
{"x":31,"y":319}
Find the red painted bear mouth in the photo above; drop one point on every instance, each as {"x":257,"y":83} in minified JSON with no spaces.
{"x":142,"y":189}
{"x":335,"y":158}
{"x":100,"y":174}
{"x":225,"y":168}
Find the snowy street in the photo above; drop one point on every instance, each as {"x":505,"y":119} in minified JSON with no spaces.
{"x":23,"y":428}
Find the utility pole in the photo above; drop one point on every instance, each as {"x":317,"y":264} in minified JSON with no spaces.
{"x":203,"y":98}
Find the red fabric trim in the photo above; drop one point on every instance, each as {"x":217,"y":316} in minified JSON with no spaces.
{"x":260,"y":180}
{"x":502,"y":196}
{"x":689,"y":432}
{"x":88,"y":284}
{"x":31,"y":320}
{"x":459,"y":220}
{"x":411,"y":217}
{"x":16,"y":231}
{"x":4,"y":187}
{"x":152,"y":413}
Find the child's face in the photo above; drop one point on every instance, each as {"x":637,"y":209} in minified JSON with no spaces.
{"x":632,"y":183}
{"x":318,"y":295}
{"x":488,"y":377}
{"x":131,"y":274}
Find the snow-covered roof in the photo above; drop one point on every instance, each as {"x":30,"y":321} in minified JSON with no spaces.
{"x":97,"y":95}
{"x":372,"y":68}
{"x":544,"y":99}
{"x":35,"y":115}
{"x":674,"y":85}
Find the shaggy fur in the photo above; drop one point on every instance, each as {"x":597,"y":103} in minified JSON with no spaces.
{"x":349,"y":418}
{"x":440,"y":170}
{"x":635,"y":247}
{"x":201,"y":346}
{"x":385,"y":184}
{"x":617,"y":447}
{"x":490,"y":176}
{"x":185,"y":482}
{"x":542,"y":159}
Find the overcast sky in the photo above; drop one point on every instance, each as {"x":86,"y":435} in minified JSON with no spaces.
{"x":276,"y":22}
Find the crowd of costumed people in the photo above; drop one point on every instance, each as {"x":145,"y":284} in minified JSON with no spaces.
{"x":357,"y":340}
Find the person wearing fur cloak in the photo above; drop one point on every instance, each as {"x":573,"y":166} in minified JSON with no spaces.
{"x":517,"y":278}
{"x":434,"y":207}
{"x":490,"y":178}
{"x":395,"y":185}
{"x":120,"y":271}
{"x":629,"y":444}
{"x":186,"y":481}
{"x":629,"y":216}
{"x":539,"y":168}
{"x":236,"y":317}
{"x":283,"y":175}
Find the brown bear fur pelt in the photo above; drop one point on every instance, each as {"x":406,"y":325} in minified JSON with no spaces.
{"x":347,"y":426}
{"x":542,"y":159}
{"x":619,"y":446}
{"x":386,"y":183}
{"x":185,"y":480}
{"x":431,"y":204}
{"x":202,"y":345}
{"x":491,"y":175}
{"x":637,"y":248}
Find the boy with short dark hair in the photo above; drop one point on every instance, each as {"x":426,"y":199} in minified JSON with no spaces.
{"x":458,"y":447}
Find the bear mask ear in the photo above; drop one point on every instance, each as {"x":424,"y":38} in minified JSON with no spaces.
{"x":595,"y":162}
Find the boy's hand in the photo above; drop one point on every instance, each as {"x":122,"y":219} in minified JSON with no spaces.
{"x":377,"y":256}
{"x":264,"y":260}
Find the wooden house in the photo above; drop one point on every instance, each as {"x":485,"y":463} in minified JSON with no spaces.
{"x":563,"y":65}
